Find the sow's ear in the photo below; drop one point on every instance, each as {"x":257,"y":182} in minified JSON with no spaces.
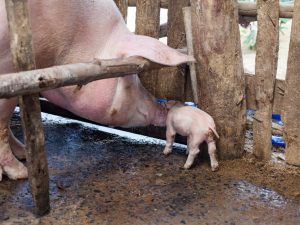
{"x":152,"y":49}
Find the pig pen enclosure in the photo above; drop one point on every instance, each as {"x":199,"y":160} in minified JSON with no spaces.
{"x":127,"y":182}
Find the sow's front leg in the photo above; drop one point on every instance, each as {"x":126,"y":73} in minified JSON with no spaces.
{"x":8,"y":162}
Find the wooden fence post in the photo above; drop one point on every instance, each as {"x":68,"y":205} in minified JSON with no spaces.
{"x":23,"y":59}
{"x":123,"y":7}
{"x":265,"y":74}
{"x":292,"y":94}
{"x":147,"y":23}
{"x":172,"y":81}
{"x":187,"y":15}
{"x":217,"y":49}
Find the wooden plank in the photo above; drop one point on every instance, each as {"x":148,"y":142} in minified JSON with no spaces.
{"x":171,"y":81}
{"x":187,"y":15}
{"x":219,"y":67}
{"x":292,"y":95}
{"x":23,"y":58}
{"x":265,"y":69}
{"x":123,"y":7}
{"x":147,"y":23}
{"x":278,"y":94}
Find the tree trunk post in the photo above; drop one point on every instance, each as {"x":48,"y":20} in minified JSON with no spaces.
{"x":23,"y":59}
{"x":148,"y":23}
{"x":265,"y":69}
{"x":189,"y":39}
{"x":292,"y":94}
{"x":172,"y":81}
{"x":221,"y":80}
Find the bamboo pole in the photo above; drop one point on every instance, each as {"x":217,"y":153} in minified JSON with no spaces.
{"x":266,"y":67}
{"x":171,"y":81}
{"x":219,"y":67}
{"x":147,"y":23}
{"x":292,"y":96}
{"x":189,"y":37}
{"x":23,"y":59}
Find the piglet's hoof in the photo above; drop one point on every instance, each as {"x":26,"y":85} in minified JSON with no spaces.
{"x":187,"y":166}
{"x":167,"y":151}
{"x":215,"y":167}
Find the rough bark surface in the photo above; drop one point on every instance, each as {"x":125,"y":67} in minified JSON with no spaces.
{"x":279,"y":90}
{"x":148,"y":23}
{"x":172,"y":81}
{"x":23,"y":58}
{"x":292,"y":95}
{"x":220,"y":71}
{"x":123,"y":7}
{"x":265,"y":69}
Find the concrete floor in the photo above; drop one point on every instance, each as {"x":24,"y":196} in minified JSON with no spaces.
{"x":99,"y":178}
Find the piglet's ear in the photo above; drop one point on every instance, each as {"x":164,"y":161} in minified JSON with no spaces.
{"x":152,"y":49}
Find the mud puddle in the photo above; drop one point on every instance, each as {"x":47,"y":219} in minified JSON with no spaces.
{"x":99,"y":178}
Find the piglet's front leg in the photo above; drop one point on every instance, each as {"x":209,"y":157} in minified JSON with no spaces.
{"x":169,"y":142}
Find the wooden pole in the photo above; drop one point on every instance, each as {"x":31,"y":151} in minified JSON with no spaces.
{"x":123,"y":7}
{"x":279,"y":90}
{"x":171,"y":81}
{"x":292,"y":95}
{"x":189,"y":38}
{"x":219,"y":67}
{"x":265,"y":69}
{"x":147,"y":23}
{"x":73,"y":74}
{"x":23,"y":59}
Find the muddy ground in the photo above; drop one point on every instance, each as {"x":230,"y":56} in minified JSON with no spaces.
{"x":99,"y":178}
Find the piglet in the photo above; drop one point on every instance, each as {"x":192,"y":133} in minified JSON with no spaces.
{"x":197,"y":125}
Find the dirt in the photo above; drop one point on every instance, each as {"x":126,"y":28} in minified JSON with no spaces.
{"x":99,"y":178}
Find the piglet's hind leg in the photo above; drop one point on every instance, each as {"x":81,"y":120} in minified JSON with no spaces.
{"x":213,"y":155}
{"x":193,"y":150}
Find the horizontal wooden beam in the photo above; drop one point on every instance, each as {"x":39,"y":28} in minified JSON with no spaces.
{"x":35,"y":81}
{"x":250,"y":9}
{"x":245,"y":9}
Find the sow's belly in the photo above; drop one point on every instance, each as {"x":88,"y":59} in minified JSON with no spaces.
{"x":91,"y":101}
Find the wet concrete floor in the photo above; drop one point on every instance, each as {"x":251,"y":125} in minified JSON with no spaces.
{"x":99,"y":178}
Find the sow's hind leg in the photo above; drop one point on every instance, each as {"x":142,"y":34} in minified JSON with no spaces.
{"x":8,"y":162}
